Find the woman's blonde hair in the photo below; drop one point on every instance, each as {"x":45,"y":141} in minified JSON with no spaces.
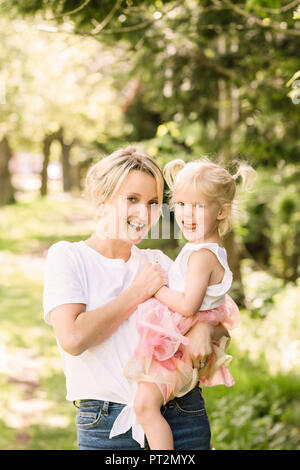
{"x":104,"y":178}
{"x":211,"y":180}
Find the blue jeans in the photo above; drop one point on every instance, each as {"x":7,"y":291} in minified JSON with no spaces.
{"x":186,"y":416}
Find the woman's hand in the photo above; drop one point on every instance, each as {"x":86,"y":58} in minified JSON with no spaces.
{"x":199,"y":347}
{"x":150,"y":278}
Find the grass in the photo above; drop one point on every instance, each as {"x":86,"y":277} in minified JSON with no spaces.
{"x":261,"y":411}
{"x":35,"y":414}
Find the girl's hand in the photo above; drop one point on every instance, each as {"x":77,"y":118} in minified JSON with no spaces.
{"x":150,"y":278}
{"x":199,"y":347}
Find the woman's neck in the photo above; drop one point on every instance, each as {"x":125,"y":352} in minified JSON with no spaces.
{"x":110,"y":248}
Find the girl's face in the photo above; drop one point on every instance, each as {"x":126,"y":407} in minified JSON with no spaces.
{"x":196,"y":216}
{"x":133,"y":209}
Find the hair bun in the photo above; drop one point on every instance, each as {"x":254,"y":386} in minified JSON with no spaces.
{"x":171,"y":170}
{"x":248,"y":175}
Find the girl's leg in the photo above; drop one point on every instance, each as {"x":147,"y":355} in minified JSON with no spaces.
{"x":147,"y":404}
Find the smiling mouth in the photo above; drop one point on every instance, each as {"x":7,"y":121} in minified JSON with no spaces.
{"x":187,"y":226}
{"x":137,"y":226}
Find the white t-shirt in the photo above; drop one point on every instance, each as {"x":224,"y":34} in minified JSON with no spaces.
{"x":76,"y":273}
{"x":215,"y":294}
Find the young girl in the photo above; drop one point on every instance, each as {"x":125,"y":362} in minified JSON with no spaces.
{"x":199,"y":279}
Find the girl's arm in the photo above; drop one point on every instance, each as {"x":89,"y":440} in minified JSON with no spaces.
{"x":187,"y":303}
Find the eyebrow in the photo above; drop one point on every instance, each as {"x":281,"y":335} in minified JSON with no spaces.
{"x":191,"y":203}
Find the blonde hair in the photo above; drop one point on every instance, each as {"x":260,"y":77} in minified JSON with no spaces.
{"x":105,"y":177}
{"x":211,"y":180}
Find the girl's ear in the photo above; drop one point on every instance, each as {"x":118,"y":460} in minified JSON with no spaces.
{"x":224,"y":211}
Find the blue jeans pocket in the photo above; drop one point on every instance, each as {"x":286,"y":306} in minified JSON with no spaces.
{"x":94,"y":422}
{"x":191,"y":404}
{"x":87,"y":418}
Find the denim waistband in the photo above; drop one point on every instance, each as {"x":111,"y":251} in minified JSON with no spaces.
{"x":105,"y":405}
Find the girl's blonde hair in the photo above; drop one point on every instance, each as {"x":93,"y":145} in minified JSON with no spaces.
{"x":211,"y":180}
{"x":105,"y":177}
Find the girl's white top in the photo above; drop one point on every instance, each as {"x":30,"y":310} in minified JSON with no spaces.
{"x":215,"y":294}
{"x":76,"y":273}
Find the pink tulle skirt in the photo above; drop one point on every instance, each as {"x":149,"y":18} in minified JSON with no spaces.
{"x":161,"y":358}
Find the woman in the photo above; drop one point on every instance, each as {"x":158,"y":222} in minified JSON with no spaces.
{"x":92,"y":289}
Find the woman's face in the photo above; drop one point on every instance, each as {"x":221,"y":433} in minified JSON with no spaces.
{"x":133,"y":209}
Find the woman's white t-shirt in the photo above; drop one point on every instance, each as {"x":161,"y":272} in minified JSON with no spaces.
{"x":76,"y":273}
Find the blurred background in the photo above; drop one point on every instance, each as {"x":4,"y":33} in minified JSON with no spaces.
{"x":181,"y":79}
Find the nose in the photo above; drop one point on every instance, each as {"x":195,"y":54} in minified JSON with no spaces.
{"x":141,"y":211}
{"x":188,"y":211}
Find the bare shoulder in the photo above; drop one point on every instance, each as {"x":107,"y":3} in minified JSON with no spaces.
{"x":202,"y":255}
{"x":205,"y":263}
{"x":202,"y":258}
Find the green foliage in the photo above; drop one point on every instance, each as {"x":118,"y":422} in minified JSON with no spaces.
{"x":271,"y":330}
{"x":257,"y":418}
{"x":261,"y":411}
{"x":296,"y":15}
{"x":180,"y":52}
{"x":70,"y":87}
{"x":260,"y":289}
{"x":34,"y":226}
{"x":269,"y":222}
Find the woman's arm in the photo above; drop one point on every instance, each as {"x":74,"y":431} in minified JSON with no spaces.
{"x":187,"y":303}
{"x":78,"y":330}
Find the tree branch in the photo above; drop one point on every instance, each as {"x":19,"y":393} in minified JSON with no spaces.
{"x":68,"y":13}
{"x":107,"y":19}
{"x":276,"y":11}
{"x":274,"y":26}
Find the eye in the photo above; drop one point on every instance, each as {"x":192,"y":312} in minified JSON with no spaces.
{"x":199,"y":206}
{"x":131,"y":199}
{"x":181,"y":204}
{"x":153,"y":203}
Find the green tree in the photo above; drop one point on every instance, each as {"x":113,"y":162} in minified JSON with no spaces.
{"x":222,"y":63}
{"x":56,"y":89}
{"x":215,"y":69}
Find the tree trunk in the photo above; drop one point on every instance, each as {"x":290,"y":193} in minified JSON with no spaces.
{"x":227,"y":118}
{"x":6,"y":187}
{"x":65,"y":161}
{"x":79,"y":173}
{"x":66,"y":166}
{"x":234,"y":255}
{"x":76,"y":184}
{"x":46,"y":152}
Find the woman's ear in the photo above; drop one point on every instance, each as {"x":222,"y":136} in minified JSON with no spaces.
{"x":224,"y":211}
{"x":100,"y":211}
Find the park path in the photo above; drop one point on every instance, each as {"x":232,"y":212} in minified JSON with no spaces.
{"x":24,"y":408}
{"x":27,"y":403}
{"x":20,"y":368}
